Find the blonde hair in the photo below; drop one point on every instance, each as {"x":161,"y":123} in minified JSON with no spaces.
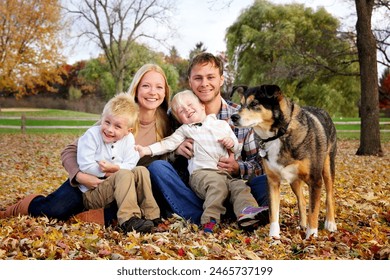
{"x":163,"y":128}
{"x":122,"y":105}
{"x":178,"y":100}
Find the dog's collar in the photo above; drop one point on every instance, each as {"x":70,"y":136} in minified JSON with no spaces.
{"x":262,"y":150}
{"x":281,"y":132}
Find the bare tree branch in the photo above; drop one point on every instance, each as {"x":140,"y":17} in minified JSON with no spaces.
{"x":114,"y":25}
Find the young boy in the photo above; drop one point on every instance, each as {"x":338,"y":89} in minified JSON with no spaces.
{"x":107,"y":151}
{"x":213,"y":139}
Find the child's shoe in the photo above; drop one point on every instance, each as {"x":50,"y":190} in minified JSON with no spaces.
{"x":157,"y":221}
{"x":252,"y":217}
{"x":210,"y":226}
{"x":137,"y":224}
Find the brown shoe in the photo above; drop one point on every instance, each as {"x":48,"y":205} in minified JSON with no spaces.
{"x":19,"y":208}
{"x":91,"y":216}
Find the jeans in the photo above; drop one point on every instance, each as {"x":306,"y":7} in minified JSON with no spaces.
{"x":64,"y":203}
{"x":259,"y":189}
{"x":172,"y":194}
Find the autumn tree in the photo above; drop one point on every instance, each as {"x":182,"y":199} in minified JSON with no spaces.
{"x":114,"y":25}
{"x":100,"y":81}
{"x":370,"y":143}
{"x":29,"y":45}
{"x":181,"y":66}
{"x":384,"y":93}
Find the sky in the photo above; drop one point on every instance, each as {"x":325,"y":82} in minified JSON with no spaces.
{"x":207,"y":20}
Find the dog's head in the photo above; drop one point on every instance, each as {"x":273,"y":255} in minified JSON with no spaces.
{"x":259,"y":106}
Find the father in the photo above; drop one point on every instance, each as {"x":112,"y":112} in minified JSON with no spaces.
{"x":205,"y":74}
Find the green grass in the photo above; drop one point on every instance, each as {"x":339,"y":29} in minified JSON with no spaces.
{"x":46,"y":113}
{"x":47,"y":122}
{"x":385,"y":136}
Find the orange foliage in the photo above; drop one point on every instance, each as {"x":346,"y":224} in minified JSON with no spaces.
{"x":30,"y":45}
{"x":386,"y":84}
{"x":384,"y":92}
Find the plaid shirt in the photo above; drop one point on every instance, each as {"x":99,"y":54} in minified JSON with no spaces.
{"x":249,"y":162}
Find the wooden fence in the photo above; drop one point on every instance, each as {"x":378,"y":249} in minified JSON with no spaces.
{"x":23,"y":125}
{"x":23,"y":120}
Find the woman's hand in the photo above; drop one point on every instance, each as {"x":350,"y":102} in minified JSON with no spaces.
{"x":186,"y":148}
{"x":88,"y":180}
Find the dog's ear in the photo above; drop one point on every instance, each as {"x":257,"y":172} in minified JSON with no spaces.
{"x":240,"y":90}
{"x":270,"y":90}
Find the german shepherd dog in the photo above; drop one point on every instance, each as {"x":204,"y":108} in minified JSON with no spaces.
{"x":297,"y":144}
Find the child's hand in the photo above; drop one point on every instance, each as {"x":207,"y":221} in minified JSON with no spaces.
{"x":107,"y":167}
{"x":227,"y":142}
{"x":143,"y":151}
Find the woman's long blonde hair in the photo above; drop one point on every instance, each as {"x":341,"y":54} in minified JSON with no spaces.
{"x":163,"y":128}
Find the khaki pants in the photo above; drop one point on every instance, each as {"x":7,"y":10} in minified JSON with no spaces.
{"x":132,"y":191}
{"x":215,"y":187}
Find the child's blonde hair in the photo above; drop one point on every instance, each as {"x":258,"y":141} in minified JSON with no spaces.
{"x":122,"y":105}
{"x":178,"y":100}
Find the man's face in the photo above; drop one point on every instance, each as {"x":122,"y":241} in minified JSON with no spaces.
{"x":205,"y":81}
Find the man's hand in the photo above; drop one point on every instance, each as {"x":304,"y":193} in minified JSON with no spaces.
{"x":88,"y":180}
{"x":229,"y":164}
{"x":186,"y":148}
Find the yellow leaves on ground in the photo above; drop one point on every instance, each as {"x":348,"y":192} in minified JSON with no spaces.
{"x":31,"y":164}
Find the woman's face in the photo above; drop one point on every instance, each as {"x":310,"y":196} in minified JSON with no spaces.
{"x":151,"y":91}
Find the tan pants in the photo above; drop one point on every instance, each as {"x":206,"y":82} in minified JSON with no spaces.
{"x":215,"y":187}
{"x":132,"y":191}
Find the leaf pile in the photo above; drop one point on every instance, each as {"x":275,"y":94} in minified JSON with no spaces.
{"x":31,"y":164}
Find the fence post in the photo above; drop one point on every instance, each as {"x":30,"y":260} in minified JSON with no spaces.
{"x":23,"y":125}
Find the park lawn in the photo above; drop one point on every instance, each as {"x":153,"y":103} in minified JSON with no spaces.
{"x":41,"y":112}
{"x":32,"y":112}
{"x":46,"y":113}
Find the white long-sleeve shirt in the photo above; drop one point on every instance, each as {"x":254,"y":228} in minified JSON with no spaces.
{"x":207,"y":149}
{"x":91,"y":149}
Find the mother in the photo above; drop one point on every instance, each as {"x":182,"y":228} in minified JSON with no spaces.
{"x":151,"y":91}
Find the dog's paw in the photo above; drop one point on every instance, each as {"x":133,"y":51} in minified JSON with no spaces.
{"x":301,"y":227}
{"x":275,"y":242}
{"x":330,"y":226}
{"x":274,"y":230}
{"x":311,"y":232}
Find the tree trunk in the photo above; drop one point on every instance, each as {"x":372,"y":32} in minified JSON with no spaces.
{"x":119,"y":83}
{"x":370,"y":143}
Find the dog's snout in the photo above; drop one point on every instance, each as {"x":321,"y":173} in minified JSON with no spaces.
{"x":235,"y":118}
